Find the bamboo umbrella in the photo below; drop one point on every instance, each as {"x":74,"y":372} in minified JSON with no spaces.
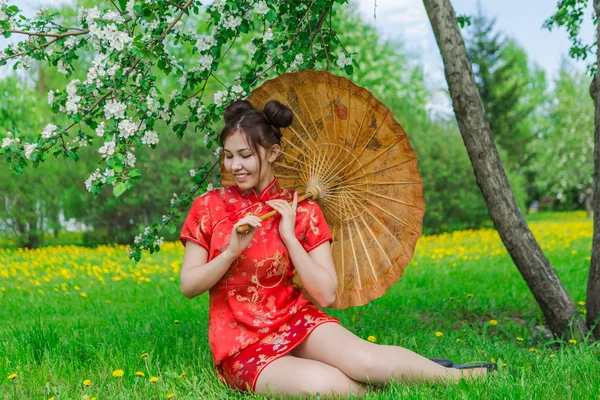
{"x":345,"y":150}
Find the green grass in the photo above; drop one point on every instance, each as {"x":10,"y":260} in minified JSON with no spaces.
{"x":56,"y":339}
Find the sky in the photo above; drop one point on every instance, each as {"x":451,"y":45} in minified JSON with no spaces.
{"x":407,"y":22}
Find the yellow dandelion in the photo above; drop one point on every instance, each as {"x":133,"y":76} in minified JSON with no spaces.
{"x":12,"y":376}
{"x":140,"y":373}
{"x":118,"y":373}
{"x":176,"y":322}
{"x":581,"y":303}
{"x":87,"y":382}
{"x":51,"y":398}
{"x":144,"y":355}
{"x":82,"y":294}
{"x":551,"y":356}
{"x":533,"y":350}
{"x":439,"y":334}
{"x":520,"y":339}
{"x":470,"y":295}
{"x":372,"y":339}
{"x":458,"y":340}
{"x":584,"y":311}
{"x":170,"y":395}
{"x":492,"y":360}
{"x":493,"y":322}
{"x":77,"y":288}
{"x":153,"y":379}
{"x":504,"y":364}
{"x":85,"y":397}
{"x":572,"y":341}
{"x":181,"y":375}
{"x":172,"y":279}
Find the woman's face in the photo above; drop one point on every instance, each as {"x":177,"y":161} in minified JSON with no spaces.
{"x":242,"y":163}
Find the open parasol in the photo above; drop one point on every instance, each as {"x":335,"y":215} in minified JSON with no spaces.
{"x":356,"y":161}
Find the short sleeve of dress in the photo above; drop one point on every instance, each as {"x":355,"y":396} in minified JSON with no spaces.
{"x":317,"y":232}
{"x":197,"y":226}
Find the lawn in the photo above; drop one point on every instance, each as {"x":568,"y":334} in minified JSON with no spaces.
{"x":72,"y":317}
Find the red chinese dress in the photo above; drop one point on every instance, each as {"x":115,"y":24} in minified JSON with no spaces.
{"x":256,"y":314}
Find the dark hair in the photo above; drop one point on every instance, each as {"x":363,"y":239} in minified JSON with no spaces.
{"x":261,"y":127}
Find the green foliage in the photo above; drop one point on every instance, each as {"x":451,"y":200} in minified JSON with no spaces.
{"x":570,"y":14}
{"x":511,"y":91}
{"x":566,"y":143}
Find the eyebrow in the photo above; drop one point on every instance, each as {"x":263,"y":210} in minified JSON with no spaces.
{"x":239,"y":151}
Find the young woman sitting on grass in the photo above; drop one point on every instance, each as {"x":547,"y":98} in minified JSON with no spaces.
{"x":264,"y":335}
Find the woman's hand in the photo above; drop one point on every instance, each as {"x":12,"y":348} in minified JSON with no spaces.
{"x":239,"y":241}
{"x":288,"y":217}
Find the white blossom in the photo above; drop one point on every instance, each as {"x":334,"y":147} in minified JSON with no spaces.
{"x":205,"y":62}
{"x":268,"y":35}
{"x":261,"y":8}
{"x":81,"y":142}
{"x":3,"y":16}
{"x":209,"y":187}
{"x":114,"y":109}
{"x":129,"y":7}
{"x":150,"y":137}
{"x":61,"y":68}
{"x":298,"y":60}
{"x":51,"y":97}
{"x":107,"y":149}
{"x":49,"y":131}
{"x":94,"y":177}
{"x":192,"y":172}
{"x":220,"y":97}
{"x":232,"y":22}
{"x":70,"y":42}
{"x":342,"y":60}
{"x":127,"y":128}
{"x":100,"y":129}
{"x":205,"y":43}
{"x":130,"y":159}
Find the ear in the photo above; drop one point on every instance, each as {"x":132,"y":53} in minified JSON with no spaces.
{"x":273,"y":153}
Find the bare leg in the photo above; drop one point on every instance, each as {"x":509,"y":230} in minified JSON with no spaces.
{"x":364,"y":361}
{"x":293,"y":376}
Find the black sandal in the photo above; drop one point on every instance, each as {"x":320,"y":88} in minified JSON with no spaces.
{"x":444,"y":362}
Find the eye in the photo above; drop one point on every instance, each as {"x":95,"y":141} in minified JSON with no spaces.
{"x":249,"y":155}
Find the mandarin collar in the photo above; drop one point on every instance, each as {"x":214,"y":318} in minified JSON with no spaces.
{"x":271,"y":191}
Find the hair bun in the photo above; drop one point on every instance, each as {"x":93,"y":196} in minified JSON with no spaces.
{"x":278,"y":114}
{"x":234,"y":111}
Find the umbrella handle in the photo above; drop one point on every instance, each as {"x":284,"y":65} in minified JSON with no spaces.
{"x":312,"y":192}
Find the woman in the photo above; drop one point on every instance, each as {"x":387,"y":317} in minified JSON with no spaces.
{"x":265,"y":336}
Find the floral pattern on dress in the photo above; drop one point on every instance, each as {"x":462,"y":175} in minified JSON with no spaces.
{"x":256,"y":313}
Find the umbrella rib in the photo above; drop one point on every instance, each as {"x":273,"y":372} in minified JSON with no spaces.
{"x":390,"y":198}
{"x":377,"y":156}
{"x":358,"y":131}
{"x":392,"y":215}
{"x":381,"y":183}
{"x":342,"y":253}
{"x":362,"y":241}
{"x":378,"y":171}
{"x":316,"y":146}
{"x":376,"y":241}
{"x":356,"y":158}
{"x":355,"y":258}
{"x":386,"y":230}
{"x":288,"y":167}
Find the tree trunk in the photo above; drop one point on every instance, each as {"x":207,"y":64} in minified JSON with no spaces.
{"x":558,"y":308}
{"x":593,"y":290}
